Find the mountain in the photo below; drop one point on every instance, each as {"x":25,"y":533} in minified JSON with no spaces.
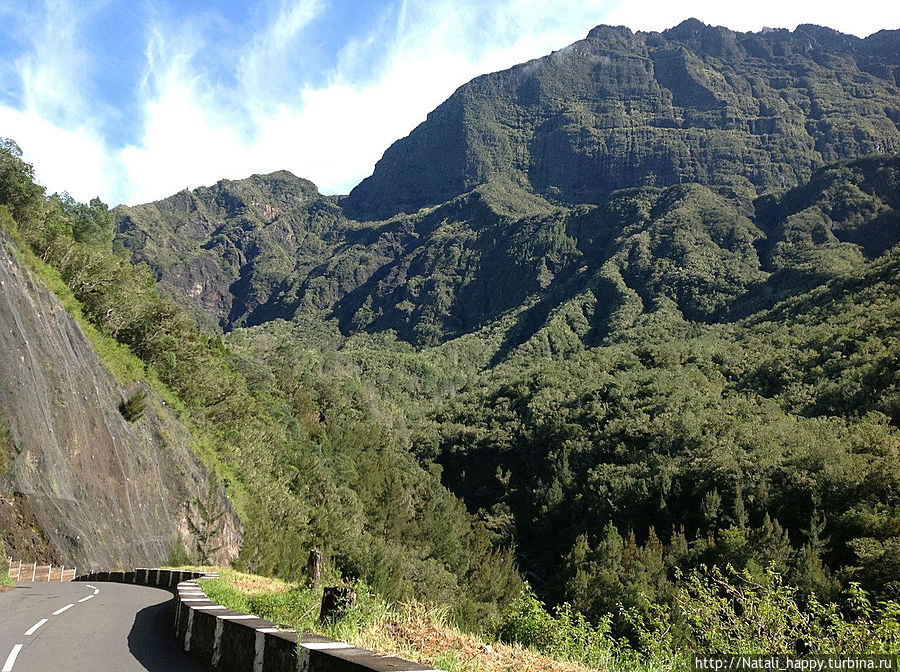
{"x":231,"y":249}
{"x":118,"y":448}
{"x":453,"y":269}
{"x":518,"y":186}
{"x":633,"y":303}
{"x":744,"y":112}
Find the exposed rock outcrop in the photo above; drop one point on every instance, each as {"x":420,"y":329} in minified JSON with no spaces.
{"x":105,"y":492}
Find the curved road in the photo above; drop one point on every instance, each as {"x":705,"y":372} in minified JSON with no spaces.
{"x":45,"y":627}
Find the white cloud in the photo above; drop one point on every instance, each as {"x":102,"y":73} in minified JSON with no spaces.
{"x":73,"y":160}
{"x":271,"y":59}
{"x":51,"y":73}
{"x":54,"y":125}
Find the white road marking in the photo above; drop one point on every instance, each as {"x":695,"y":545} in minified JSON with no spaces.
{"x":89,"y":597}
{"x":59,"y":611}
{"x":11,"y":659}
{"x":34,"y":627}
{"x":96,"y":590}
{"x":90,"y":586}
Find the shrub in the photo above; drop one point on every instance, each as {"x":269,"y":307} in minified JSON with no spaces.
{"x":566,"y":635}
{"x":132,"y":409}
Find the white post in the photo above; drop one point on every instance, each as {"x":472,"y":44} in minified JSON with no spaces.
{"x":34,"y":571}
{"x":19,"y":573}
{"x":49,"y":571}
{"x":62,"y":573}
{"x":74,"y":572}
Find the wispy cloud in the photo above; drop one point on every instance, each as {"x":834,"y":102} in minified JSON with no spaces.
{"x":55,"y":122}
{"x":52,"y":71}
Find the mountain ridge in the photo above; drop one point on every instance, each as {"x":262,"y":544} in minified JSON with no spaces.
{"x":553,"y":121}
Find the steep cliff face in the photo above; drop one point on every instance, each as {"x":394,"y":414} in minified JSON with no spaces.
{"x":104,"y":492}
{"x":741,"y":111}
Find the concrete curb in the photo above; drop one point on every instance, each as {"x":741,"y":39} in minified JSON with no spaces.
{"x":234,"y":642}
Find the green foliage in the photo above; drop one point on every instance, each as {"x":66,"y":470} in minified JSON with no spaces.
{"x":299,"y":606}
{"x":450,"y":662}
{"x":5,"y":446}
{"x":132,"y":409}
{"x":726,"y":611}
{"x":715,"y":611}
{"x":204,"y":527}
{"x":19,"y":193}
{"x":565,"y":635}
{"x":5,"y":580}
{"x":178,"y":557}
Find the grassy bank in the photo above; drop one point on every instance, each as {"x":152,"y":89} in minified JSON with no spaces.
{"x":412,"y":630}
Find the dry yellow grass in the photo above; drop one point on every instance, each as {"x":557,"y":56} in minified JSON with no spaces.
{"x":249,"y":584}
{"x":425,"y":637}
{"x":422,"y":635}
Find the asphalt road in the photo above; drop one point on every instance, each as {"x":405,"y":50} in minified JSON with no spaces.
{"x":89,"y":627}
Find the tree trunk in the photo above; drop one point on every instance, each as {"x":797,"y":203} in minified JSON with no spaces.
{"x":314,"y":568}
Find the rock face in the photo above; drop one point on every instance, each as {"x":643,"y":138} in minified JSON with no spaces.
{"x":104,"y":492}
{"x":230,"y":249}
{"x":742,"y":111}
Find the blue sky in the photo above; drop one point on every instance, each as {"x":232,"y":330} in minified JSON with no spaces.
{"x":133,"y":100}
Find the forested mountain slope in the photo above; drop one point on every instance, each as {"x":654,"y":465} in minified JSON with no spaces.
{"x":453,"y":269}
{"x":308,"y":460}
{"x":233,"y":250}
{"x":520,"y":172}
{"x":625,"y":289}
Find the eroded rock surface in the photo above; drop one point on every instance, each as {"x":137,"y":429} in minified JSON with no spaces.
{"x":105,"y":492}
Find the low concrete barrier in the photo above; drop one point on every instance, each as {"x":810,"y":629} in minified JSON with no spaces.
{"x":234,"y":642}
